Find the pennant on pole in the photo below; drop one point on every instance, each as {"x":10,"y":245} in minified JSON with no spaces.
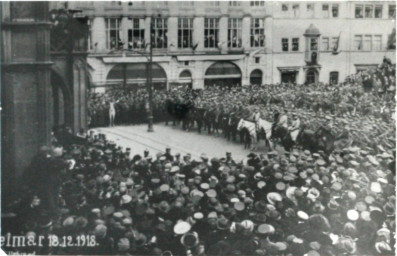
{"x":336,"y":46}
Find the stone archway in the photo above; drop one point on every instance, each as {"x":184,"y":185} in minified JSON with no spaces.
{"x":256,"y":77}
{"x":134,"y":74}
{"x":223,"y":73}
{"x":185,"y":77}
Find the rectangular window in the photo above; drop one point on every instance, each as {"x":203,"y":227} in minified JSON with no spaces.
{"x":211,"y":32}
{"x":113,"y":33}
{"x":378,"y":11}
{"x":257,"y":60}
{"x":295,"y":8}
{"x":335,"y":11}
{"x":257,"y":32}
{"x":234,"y":3}
{"x":358,"y":42}
{"x":284,"y":44}
{"x":313,"y":44}
{"x":310,"y":10}
{"x":212,"y":3}
{"x":160,"y":33}
{"x":136,"y":35}
{"x":185,"y":32}
{"x":284,"y":7}
{"x":367,"y":43}
{"x":377,"y":45}
{"x":234,"y":36}
{"x":392,"y":11}
{"x":333,"y":77}
{"x":257,"y":3}
{"x":325,"y":9}
{"x":369,"y":11}
{"x":325,"y":44}
{"x":295,"y":44}
{"x":359,"y":11}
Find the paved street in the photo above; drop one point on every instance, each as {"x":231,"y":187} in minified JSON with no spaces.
{"x":138,"y":139}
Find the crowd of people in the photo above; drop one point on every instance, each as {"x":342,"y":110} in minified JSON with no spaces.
{"x":87,"y":195}
{"x":172,"y":204}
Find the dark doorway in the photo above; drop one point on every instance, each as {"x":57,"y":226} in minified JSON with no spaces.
{"x":311,"y":76}
{"x":333,"y":78}
{"x":288,"y":77}
{"x":256,"y":77}
{"x":60,"y":102}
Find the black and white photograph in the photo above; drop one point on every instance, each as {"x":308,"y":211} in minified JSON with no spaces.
{"x":198,"y":128}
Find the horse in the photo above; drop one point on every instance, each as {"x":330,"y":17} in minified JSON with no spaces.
{"x":250,"y":127}
{"x":281,"y":133}
{"x":264,"y":130}
{"x":320,"y":140}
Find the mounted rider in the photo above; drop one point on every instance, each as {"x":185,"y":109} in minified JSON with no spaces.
{"x":294,"y":128}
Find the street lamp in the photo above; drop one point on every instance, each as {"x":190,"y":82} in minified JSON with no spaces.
{"x":149,"y":79}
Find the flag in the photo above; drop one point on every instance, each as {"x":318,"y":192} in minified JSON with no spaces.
{"x":336,"y":46}
{"x":195,"y":46}
{"x":253,"y":53}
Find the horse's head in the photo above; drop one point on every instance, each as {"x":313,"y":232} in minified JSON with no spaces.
{"x":240,"y":124}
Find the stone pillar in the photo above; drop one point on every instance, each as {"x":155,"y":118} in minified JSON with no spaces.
{"x":223,"y":33}
{"x":172,"y":33}
{"x":198,"y":76}
{"x":198,"y":33}
{"x":124,"y":31}
{"x":147,"y":31}
{"x":245,"y":33}
{"x":99,"y":33}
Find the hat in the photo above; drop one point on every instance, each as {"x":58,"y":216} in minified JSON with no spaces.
{"x":100,"y":230}
{"x":182,"y":227}
{"x":273,"y":197}
{"x":108,"y":210}
{"x":174,"y":169}
{"x":369,"y":199}
{"x":190,"y":240}
{"x":266,"y":229}
{"x":365,"y":215}
{"x":302,"y":215}
{"x":164,"y":188}
{"x":280,"y":185}
{"x":261,"y":184}
{"x":125,"y":199}
{"x":204,"y":186}
{"x":198,"y":215}
{"x":247,"y":225}
{"x":68,"y":222}
{"x":239,"y":206}
{"x":123,"y":244}
{"x":375,"y":187}
{"x":211,"y":193}
{"x":352,"y":215}
{"x":222,"y":223}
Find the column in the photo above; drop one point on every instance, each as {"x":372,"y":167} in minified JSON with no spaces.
{"x":198,"y":75}
{"x":246,"y":33}
{"x":198,"y":33}
{"x":172,"y":33}
{"x":223,"y":34}
{"x":147,"y":31}
{"x":99,"y":33}
{"x":125,"y":24}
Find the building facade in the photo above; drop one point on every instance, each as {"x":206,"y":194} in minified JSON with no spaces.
{"x":235,"y":42}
